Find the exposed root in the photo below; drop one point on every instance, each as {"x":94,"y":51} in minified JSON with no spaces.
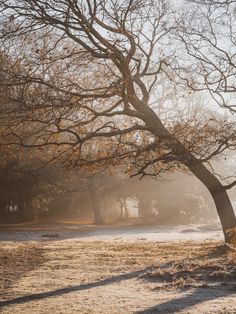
{"x":230,"y":247}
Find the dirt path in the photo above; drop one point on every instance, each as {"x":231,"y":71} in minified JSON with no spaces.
{"x":119,"y":275}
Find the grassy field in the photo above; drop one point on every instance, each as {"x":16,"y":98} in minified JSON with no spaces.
{"x":115,"y":275}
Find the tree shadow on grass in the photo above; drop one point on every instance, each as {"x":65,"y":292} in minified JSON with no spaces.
{"x":219,"y":250}
{"x":215,"y":287}
{"x":184,"y":302}
{"x":215,"y":279}
{"x":66,"y":290}
{"x":196,"y":296}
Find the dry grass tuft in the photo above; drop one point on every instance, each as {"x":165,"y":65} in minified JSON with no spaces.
{"x":231,"y":234}
{"x":215,"y":267}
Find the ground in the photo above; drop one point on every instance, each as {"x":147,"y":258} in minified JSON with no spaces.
{"x":130,"y":269}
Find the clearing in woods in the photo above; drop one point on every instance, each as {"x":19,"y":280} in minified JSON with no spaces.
{"x":116,"y":270}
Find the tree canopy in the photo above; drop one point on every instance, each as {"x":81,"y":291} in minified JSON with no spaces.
{"x":84,"y":76}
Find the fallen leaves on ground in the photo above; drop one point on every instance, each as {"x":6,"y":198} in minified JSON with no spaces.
{"x":15,"y":262}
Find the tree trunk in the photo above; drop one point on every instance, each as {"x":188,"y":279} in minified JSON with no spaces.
{"x":95,"y":204}
{"x":215,"y":187}
{"x":124,"y":213}
{"x":222,"y":202}
{"x":126,"y":209}
{"x":145,"y":208}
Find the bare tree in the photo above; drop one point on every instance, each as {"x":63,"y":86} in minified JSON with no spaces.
{"x":207,"y":35}
{"x":90,"y":75}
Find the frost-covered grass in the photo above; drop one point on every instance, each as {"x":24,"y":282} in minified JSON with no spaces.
{"x":17,"y":261}
{"x":115,"y":273}
{"x":216,"y":265}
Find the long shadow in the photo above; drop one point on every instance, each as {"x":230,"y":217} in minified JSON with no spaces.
{"x":172,"y":306}
{"x":196,"y":296}
{"x":199,"y":295}
{"x":66,"y":290}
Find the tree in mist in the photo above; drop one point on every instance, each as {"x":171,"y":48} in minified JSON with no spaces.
{"x":87,"y":72}
{"x":27,"y":187}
